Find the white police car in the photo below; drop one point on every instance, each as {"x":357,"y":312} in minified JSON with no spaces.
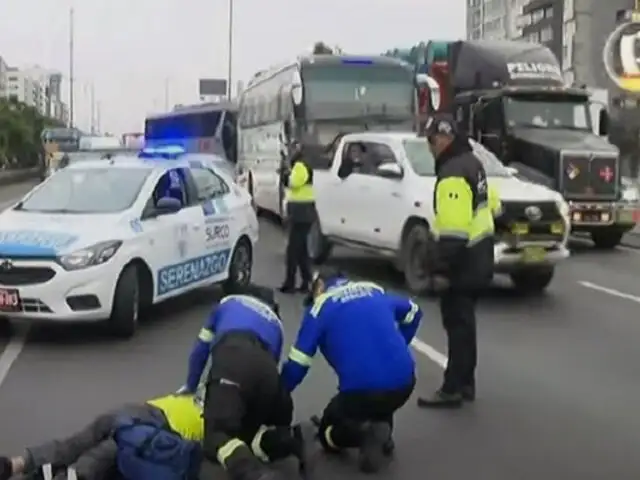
{"x":101,"y":240}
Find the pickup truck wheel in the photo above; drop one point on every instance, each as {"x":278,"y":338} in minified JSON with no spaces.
{"x":415,"y":254}
{"x":318,"y":246}
{"x":125,"y":311}
{"x":606,"y":239}
{"x":532,"y":280}
{"x":240,"y":267}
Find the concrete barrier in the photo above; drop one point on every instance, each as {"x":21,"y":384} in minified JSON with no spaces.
{"x":10,"y":177}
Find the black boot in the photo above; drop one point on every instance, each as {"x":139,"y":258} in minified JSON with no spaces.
{"x":372,"y":451}
{"x":441,"y":399}
{"x":468,"y":393}
{"x":6,"y":469}
{"x":287,"y":288}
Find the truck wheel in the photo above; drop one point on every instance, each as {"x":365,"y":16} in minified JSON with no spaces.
{"x":125,"y":311}
{"x":318,"y":246}
{"x":532,"y":280}
{"x":240,"y":267}
{"x":606,"y":239}
{"x":415,"y":257}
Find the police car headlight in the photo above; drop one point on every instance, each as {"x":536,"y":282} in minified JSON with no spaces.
{"x":630,"y":195}
{"x":88,"y":257}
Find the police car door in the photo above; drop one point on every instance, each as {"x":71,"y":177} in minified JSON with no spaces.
{"x":175,"y":238}
{"x":218,"y":214}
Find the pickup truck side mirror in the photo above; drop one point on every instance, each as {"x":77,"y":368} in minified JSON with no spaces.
{"x":390,"y":170}
{"x":167,"y":206}
{"x":512,"y":170}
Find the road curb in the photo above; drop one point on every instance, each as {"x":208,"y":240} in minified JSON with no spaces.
{"x":18,"y":176}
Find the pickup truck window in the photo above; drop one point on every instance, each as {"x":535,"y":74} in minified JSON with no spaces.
{"x":420,"y":157}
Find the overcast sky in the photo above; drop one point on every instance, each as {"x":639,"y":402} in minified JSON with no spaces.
{"x":131,"y":49}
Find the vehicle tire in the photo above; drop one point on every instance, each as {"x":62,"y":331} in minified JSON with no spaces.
{"x":606,"y":239}
{"x":240,"y":267}
{"x":125,"y":311}
{"x":415,"y":255}
{"x":532,"y":280}
{"x":318,"y":245}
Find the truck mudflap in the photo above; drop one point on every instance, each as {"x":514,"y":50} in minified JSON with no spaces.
{"x":603,"y":214}
{"x":588,"y":176}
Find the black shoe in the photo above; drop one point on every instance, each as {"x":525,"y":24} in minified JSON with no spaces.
{"x":287,"y":289}
{"x":468,"y":394}
{"x":441,"y":399}
{"x":6,"y":469}
{"x":372,"y":450}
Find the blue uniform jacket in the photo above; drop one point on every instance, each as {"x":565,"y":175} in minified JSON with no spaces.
{"x":234,"y":313}
{"x":363,"y":332}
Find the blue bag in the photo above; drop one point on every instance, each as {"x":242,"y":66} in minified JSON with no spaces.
{"x":149,"y":451}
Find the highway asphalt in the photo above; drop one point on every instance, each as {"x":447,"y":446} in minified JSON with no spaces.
{"x":558,"y":376}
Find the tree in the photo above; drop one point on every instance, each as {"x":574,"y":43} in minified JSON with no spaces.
{"x":321,"y":48}
{"x":20,"y":128}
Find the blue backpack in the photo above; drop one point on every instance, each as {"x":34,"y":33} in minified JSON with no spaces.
{"x":149,"y":451}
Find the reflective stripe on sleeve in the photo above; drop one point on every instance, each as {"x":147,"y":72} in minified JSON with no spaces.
{"x":226,"y":450}
{"x":300,"y":358}
{"x":256,"y":446}
{"x":205,"y":335}
{"x":409,"y":317}
{"x":328,"y":439}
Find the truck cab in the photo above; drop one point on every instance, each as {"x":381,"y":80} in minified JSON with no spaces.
{"x":511,"y":97}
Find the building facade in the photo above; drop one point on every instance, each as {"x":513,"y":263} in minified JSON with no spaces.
{"x":35,"y":86}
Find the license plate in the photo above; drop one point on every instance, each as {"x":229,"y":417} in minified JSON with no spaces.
{"x":10,"y":300}
{"x":520,"y":229}
{"x":533,"y":254}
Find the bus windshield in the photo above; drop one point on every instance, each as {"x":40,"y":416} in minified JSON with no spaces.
{"x":343,"y":91}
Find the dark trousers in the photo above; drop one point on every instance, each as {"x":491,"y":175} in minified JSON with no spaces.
{"x":298,"y":254}
{"x":91,"y":451}
{"x":343,"y":418}
{"x":458,"y":310}
{"x":243,"y":393}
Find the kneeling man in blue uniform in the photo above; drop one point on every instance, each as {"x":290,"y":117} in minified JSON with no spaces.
{"x":364,"y":333}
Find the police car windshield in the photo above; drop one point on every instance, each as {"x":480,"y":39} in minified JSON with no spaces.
{"x":423,"y":163}
{"x":95,"y":190}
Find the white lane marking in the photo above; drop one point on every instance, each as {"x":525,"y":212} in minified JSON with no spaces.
{"x":610,"y":291}
{"x":431,"y":353}
{"x":10,"y":355}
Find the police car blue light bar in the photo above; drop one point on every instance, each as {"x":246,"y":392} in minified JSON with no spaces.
{"x":164,"y":151}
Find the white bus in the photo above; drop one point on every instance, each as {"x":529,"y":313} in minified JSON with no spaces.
{"x":205,"y":128}
{"x":311,"y":101}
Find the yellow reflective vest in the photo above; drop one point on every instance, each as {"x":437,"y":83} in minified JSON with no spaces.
{"x":464,"y":225}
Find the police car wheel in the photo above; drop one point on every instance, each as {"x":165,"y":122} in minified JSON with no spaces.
{"x":415,"y":259}
{"x":240,"y":267}
{"x":606,"y":239}
{"x":126,"y":304}
{"x":533,"y":280}
{"x":318,"y":246}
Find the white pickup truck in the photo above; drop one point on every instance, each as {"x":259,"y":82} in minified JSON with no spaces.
{"x":384,"y":206}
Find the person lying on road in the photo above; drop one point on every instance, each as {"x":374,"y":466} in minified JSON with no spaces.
{"x":168,"y":428}
{"x":364,"y":333}
{"x":247,"y":412}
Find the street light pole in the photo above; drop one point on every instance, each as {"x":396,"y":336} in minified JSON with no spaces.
{"x":71,"y":69}
{"x":93,"y":109}
{"x":230,"y":52}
